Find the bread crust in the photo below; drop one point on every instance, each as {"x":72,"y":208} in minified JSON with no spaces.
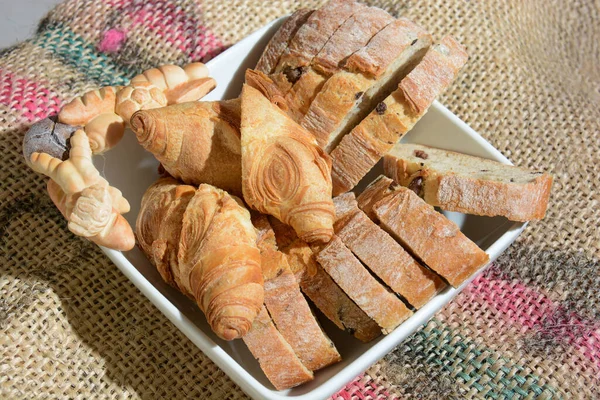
{"x":383,"y":127}
{"x":383,"y":255}
{"x":279,"y":42}
{"x":450,"y":191}
{"x":431,"y":237}
{"x":275,"y":356}
{"x":372,"y":297}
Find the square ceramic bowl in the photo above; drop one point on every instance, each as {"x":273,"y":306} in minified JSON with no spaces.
{"x":131,"y":169}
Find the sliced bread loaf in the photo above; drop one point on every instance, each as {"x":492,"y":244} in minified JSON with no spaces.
{"x":320,"y":288}
{"x":286,"y":305}
{"x":350,"y":37}
{"x":279,"y":42}
{"x":370,"y":295}
{"x":383,"y":255}
{"x":427,"y":234}
{"x":468,"y":184}
{"x":364,"y":146}
{"x":292,"y":315}
{"x":274,"y":354}
{"x":349,"y":95}
{"x":312,"y":36}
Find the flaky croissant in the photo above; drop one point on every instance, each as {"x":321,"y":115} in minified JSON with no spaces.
{"x":202,"y":242}
{"x":196,"y":142}
{"x":284,"y":172}
{"x":92,"y":207}
{"x":104,"y":113}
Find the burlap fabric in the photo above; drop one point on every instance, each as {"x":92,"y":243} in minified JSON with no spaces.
{"x":72,"y":326}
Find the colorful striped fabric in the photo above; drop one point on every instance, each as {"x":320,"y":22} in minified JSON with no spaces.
{"x":528,"y":328}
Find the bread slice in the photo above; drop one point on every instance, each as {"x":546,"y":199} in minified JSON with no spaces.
{"x":320,"y":288}
{"x":350,"y":37}
{"x":383,"y":255}
{"x":292,"y":315}
{"x":364,"y":146}
{"x":312,"y":36}
{"x":279,"y":42}
{"x":275,"y":356}
{"x":349,"y":95}
{"x":468,"y":184}
{"x":371,"y":296}
{"x":375,"y":191}
{"x":286,"y":305}
{"x":427,"y":234}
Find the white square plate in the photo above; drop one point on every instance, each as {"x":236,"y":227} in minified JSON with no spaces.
{"x":132,"y":170}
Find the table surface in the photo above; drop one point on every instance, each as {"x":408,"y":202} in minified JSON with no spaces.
{"x":19,"y":19}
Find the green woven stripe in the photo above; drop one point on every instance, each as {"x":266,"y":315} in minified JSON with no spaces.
{"x":74,"y":51}
{"x":456,"y":354}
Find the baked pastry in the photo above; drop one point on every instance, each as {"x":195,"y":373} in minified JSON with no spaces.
{"x":318,"y":286}
{"x":383,"y":255}
{"x":431,"y":237}
{"x":196,"y":142}
{"x":349,"y":95}
{"x":104,"y":113}
{"x":375,"y":135}
{"x":275,"y":356}
{"x":279,"y":42}
{"x":371,"y":296}
{"x":284,"y":172}
{"x":468,"y":184}
{"x":186,"y":232}
{"x":92,"y":207}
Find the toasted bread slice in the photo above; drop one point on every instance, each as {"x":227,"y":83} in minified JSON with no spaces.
{"x":349,"y":95}
{"x":371,"y":296}
{"x":383,"y":255}
{"x":428,"y":235}
{"x":350,"y":37}
{"x":275,"y":356}
{"x":320,"y":288}
{"x":468,"y":184}
{"x":279,"y":42}
{"x":364,"y":146}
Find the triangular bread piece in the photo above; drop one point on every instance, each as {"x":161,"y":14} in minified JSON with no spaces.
{"x":371,"y":74}
{"x":284,"y":172}
{"x":364,"y":146}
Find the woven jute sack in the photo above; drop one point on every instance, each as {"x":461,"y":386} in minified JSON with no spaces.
{"x":72,"y":326}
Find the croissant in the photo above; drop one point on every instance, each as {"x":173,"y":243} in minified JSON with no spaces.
{"x":284,"y":171}
{"x":92,"y":207}
{"x":196,"y":142}
{"x":202,"y":242}
{"x":104,"y":113}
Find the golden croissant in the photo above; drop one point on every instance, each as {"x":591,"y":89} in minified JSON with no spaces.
{"x":196,"y":142}
{"x":105,"y":112}
{"x":284,"y":171}
{"x":92,"y":207}
{"x":202,"y":242}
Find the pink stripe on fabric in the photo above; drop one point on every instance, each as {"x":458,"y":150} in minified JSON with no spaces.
{"x":30,"y":98}
{"x":531,"y":310}
{"x":363,"y":388}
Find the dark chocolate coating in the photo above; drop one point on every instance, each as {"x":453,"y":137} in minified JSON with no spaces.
{"x":48,"y":136}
